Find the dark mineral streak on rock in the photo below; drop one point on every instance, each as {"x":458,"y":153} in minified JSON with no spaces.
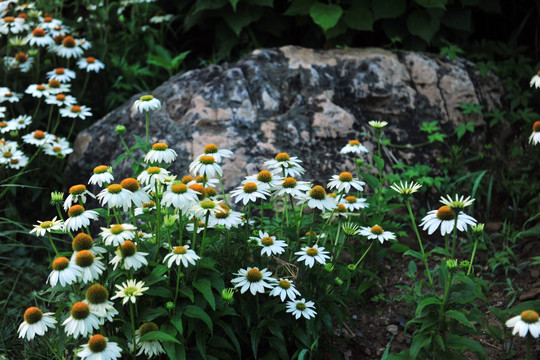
{"x":306,"y":102}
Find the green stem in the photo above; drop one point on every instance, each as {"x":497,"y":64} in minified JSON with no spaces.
{"x":204,"y":233}
{"x":147,"y":130}
{"x":472,"y":256}
{"x":50,"y":348}
{"x":528,"y":349}
{"x":158,"y":218}
{"x":419,"y":242}
{"x":454,"y":237}
{"x":49,"y":120}
{"x":130,"y":153}
{"x":71,"y":129}
{"x":285,"y":208}
{"x":446,"y":243}
{"x":180,"y":228}
{"x":133,"y":329}
{"x":52,"y":244}
{"x":364,"y":254}
{"x":37,"y":109}
{"x":85,"y":84}
{"x":177,"y":284}
{"x":223,"y":190}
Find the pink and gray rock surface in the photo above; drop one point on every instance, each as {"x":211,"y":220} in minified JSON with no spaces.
{"x":308,"y":103}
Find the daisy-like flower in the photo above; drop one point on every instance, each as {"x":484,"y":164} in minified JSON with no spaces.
{"x":84,"y":44}
{"x":91,"y":266}
{"x":83,"y":241}
{"x":138,"y":195}
{"x":61,"y":100}
{"x":49,"y":23}
{"x":205,"y":165}
{"x":317,"y":198}
{"x":79,"y":218}
{"x":161,"y":18}
{"x":160,"y":153}
{"x":300,"y":308}
{"x":458,"y":204}
{"x":145,"y":208}
{"x":445,"y":217}
{"x":13,"y":25}
{"x":265,"y":180}
{"x":17,"y":162}
{"x":45,"y":227}
{"x":527,"y":322}
{"x":69,"y":48}
{"x":59,"y":148}
{"x":340,"y":212}
{"x":76,"y":112}
{"x":129,"y":291}
{"x":148,"y":348}
{"x":344,"y":182}
{"x":535,"y":81}
{"x":535,"y":136}
{"x":285,"y":289}
{"x":81,"y":322}
{"x":290,"y":186}
{"x":35,"y":323}
{"x":5,"y":127}
{"x":377,"y":232}
{"x":311,"y":254}
{"x":115,"y":195}
{"x":21,"y":122}
{"x":56,"y":87}
{"x":38,"y":138}
{"x":153,"y":174}
{"x":39,"y":37}
{"x":354,"y":147}
{"x":407,"y":189}
{"x":181,"y":254}
{"x":270,"y":245}
{"x":8,"y":155}
{"x":352,"y":203}
{"x":97,"y":298}
{"x":20,"y":61}
{"x":64,"y":272}
{"x":102,"y":174}
{"x":224,"y":216}
{"x":180,"y":196}
{"x":37,"y":90}
{"x":205,"y":207}
{"x":10,"y":97}
{"x":147,"y":103}
{"x":249,"y":192}
{"x":254,"y":280}
{"x":77,"y":193}
{"x":216,"y":153}
{"x":90,"y":64}
{"x":61,"y":74}
{"x":285,"y":165}
{"x":377,"y":125}
{"x":117,"y":234}
{"x":128,"y":255}
{"x":99,"y":348}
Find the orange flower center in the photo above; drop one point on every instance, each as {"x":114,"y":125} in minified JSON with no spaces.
{"x":208,"y":204}
{"x":97,"y":343}
{"x":14,"y":161}
{"x":130,"y":184}
{"x":250,"y":187}
{"x":345,"y":177}
{"x":76,"y":109}
{"x":187,"y":179}
{"x":114,"y":188}
{"x":210,"y":149}
{"x":377,"y":230}
{"x":117,"y":229}
{"x":284,"y":284}
{"x":47,"y":19}
{"x":84,"y":258}
{"x":354,"y":142}
{"x":90,"y":60}
{"x":41,"y":88}
{"x":82,"y":242}
{"x":198,"y":188}
{"x":146,"y":98}
{"x":32,"y":315}
{"x":341,"y":208}
{"x":69,"y":42}
{"x":282,"y":157}
{"x":128,"y":248}
{"x":267,"y":241}
{"x":59,"y":71}
{"x":529,"y":316}
{"x":207,"y":160}
{"x":350,"y":199}
{"x":9,"y":19}
{"x":60,"y":263}
{"x":75,"y":210}
{"x":254,"y":275}
{"x":445,"y":213}
{"x":60,"y":97}
{"x":179,"y":188}
{"x":317,"y":193}
{"x":289,"y":183}
{"x":536,"y":126}
{"x":160,"y":146}
{"x":97,"y":294}
{"x":38,"y":32}
{"x":21,"y":57}
{"x":100,"y":169}
{"x":312,"y":252}
{"x":180,"y":250}
{"x":54,"y":84}
{"x":264,"y":176}
{"x":80,"y":311}
{"x":8,"y":154}
{"x":153,"y":170}
{"x":77,"y":189}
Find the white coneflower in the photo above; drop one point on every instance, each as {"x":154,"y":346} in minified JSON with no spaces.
{"x":35,"y":323}
{"x":79,"y":218}
{"x":290,"y":186}
{"x":129,"y":291}
{"x":285,"y":289}
{"x":160,"y":153}
{"x":205,"y":165}
{"x":77,"y":193}
{"x":81,"y":322}
{"x":83,"y":241}
{"x":535,"y":136}
{"x":317,"y":198}
{"x":161,"y":18}
{"x":13,"y":25}
{"x":445,"y":217}
{"x":180,"y":197}
{"x":37,"y":90}
{"x":17,"y":163}
{"x":128,"y":255}
{"x":249,"y":192}
{"x":45,"y":227}
{"x":99,"y":348}
{"x":352,"y":203}
{"x":226,"y":217}
{"x":153,"y":174}
{"x":63,"y":272}
{"x":49,"y":23}
{"x":115,"y":195}
{"x":270,"y":245}
{"x":69,"y":48}
{"x":84,"y":44}
{"x":344,"y":182}
{"x":265,"y":180}
{"x":56,"y":87}
{"x":406,"y":189}
{"x":102,"y":175}
{"x":97,"y":298}
{"x":147,"y":103}
{"x":535,"y":81}
{"x":38,"y":138}
{"x":39,"y":37}
{"x":377,"y":125}
{"x":5,"y":127}
{"x":458,"y":204}
{"x":254,"y":280}
{"x":205,"y":207}
{"x":90,"y":64}
{"x":20,"y":61}
{"x":10,"y":97}
{"x":76,"y":112}
{"x":59,"y":148}
{"x":181,"y":254}
{"x":148,"y":348}
{"x":138,"y":195}
{"x":285,"y":165}
{"x":311,"y":254}
{"x":300,"y":308}
{"x":354,"y":147}
{"x":527,"y":322}
{"x":21,"y":122}
{"x":61,"y":100}
{"x":377,"y":232}
{"x":91,"y":266}
{"x":145,"y":208}
{"x":213,"y":151}
{"x":61,"y":74}
{"x":117,"y":234}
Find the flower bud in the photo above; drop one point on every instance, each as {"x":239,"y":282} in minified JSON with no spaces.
{"x":120,"y":129}
{"x":57,"y":198}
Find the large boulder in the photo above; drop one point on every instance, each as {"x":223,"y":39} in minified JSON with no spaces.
{"x":308,"y":103}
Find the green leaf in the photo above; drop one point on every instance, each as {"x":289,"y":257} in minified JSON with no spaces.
{"x":279,"y":346}
{"x":303,"y":354}
{"x":177,"y":60}
{"x":461,"y":343}
{"x":230,"y":333}
{"x":359,"y":16}
{"x":379,"y":162}
{"x":458,"y":19}
{"x":205,"y":287}
{"x":159,"y":291}
{"x":427,"y":302}
{"x":463,"y":128}
{"x":233,"y":4}
{"x":370,"y":179}
{"x":414,"y":253}
{"x":299,"y":7}
{"x":388,"y":9}
{"x":201,"y":5}
{"x":255,"y":336}
{"x":159,"y":335}
{"x":324,"y":15}
{"x":432,"y":3}
{"x":176,"y":320}
{"x":187,"y":292}
{"x":422,"y":24}
{"x":430,"y":127}
{"x":242,"y":18}
{"x":454,"y":314}
{"x":301,"y":335}
{"x":196,"y":312}
{"x":419,"y":341}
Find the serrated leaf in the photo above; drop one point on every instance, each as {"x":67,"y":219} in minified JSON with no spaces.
{"x":299,"y":7}
{"x":422,"y":24}
{"x":456,"y":315}
{"x":205,"y":287}
{"x":419,"y":341}
{"x":427,"y":302}
{"x":436,"y":137}
{"x":325,"y":15}
{"x":158,"y":335}
{"x":388,"y":9}
{"x":432,"y":3}
{"x":414,"y":253}
{"x":196,"y":312}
